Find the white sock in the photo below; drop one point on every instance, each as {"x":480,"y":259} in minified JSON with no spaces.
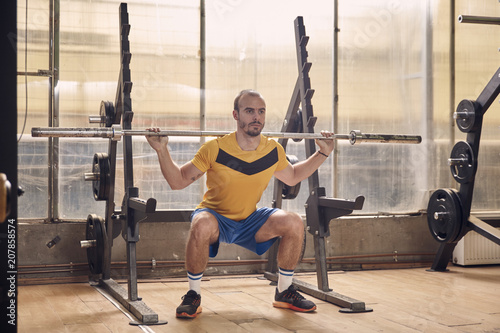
{"x":285,"y":278}
{"x":195,"y":281}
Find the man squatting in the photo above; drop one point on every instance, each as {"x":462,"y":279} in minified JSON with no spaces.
{"x":239,"y":167}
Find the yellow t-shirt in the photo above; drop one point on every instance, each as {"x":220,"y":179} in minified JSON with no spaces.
{"x":236,"y":178}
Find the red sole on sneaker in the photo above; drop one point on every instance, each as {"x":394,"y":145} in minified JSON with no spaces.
{"x":187,"y":315}
{"x":284,"y":305}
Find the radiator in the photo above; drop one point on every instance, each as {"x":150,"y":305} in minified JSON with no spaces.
{"x":474,"y":249}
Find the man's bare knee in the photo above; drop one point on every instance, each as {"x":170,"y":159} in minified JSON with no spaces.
{"x":295,"y":223}
{"x":204,"y":227}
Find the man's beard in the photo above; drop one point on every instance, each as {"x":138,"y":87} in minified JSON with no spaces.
{"x":253,"y":132}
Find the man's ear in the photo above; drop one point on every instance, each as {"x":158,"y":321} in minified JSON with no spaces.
{"x":235,"y":115}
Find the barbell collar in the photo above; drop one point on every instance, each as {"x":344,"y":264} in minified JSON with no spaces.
{"x":85,"y":244}
{"x":115,"y":133}
{"x":91,"y":176}
{"x":458,"y":161}
{"x":97,"y":120}
{"x":463,"y":114}
{"x":440,"y":215}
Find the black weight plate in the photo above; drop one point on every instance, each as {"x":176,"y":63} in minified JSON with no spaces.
{"x":298,"y":125}
{"x":100,"y":167}
{"x":104,"y":175}
{"x":96,"y":230}
{"x":107,"y":112}
{"x":444,"y":215}
{"x":96,"y":183}
{"x":291,"y":192}
{"x":465,"y":171}
{"x":466,"y":116}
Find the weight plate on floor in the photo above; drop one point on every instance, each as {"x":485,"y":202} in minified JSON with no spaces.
{"x":465,"y":116}
{"x":444,"y":215}
{"x":290,"y":192}
{"x":96,"y":231}
{"x":462,"y":162}
{"x":101,"y":184}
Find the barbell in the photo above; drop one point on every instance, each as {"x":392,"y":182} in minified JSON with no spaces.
{"x":115,"y":132}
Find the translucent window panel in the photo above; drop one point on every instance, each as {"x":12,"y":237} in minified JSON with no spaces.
{"x":89,"y":59}
{"x":32,"y":100}
{"x":382,"y":85}
{"x":32,"y":154}
{"x":150,"y":180}
{"x":252,"y":45}
{"x":32,"y":108}
{"x":32,"y":177}
{"x":32,"y":38}
{"x":76,"y":197}
{"x":381,"y":76}
{"x":164,"y":42}
{"x":33,"y":31}
{"x":33,"y":93}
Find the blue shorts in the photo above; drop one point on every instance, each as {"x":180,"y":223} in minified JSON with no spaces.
{"x":241,"y":232}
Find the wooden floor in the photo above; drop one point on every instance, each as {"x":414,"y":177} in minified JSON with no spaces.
{"x":403,"y":300}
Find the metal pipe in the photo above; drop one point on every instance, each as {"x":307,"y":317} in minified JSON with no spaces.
{"x":451,"y":126}
{"x":52,"y":265}
{"x":335,"y":159}
{"x":116,"y":133}
{"x":202,"y":66}
{"x":53,"y":149}
{"x":237,"y":263}
{"x":39,"y":73}
{"x":66,"y":270}
{"x":50,"y":157}
{"x":55,"y":105}
{"x":378,"y":255}
{"x":427,"y":107}
{"x":24,"y":269}
{"x":478,"y":19}
{"x":203,"y":82}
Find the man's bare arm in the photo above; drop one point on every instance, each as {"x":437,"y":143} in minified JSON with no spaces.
{"x":296,"y":173}
{"x":178,"y":177}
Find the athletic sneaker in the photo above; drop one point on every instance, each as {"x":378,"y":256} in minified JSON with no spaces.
{"x":291,"y":299}
{"x":190,"y":306}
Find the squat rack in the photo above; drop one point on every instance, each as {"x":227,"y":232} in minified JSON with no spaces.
{"x":319,"y":208}
{"x":133,"y":209}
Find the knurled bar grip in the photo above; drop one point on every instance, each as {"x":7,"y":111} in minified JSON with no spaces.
{"x":116,"y":133}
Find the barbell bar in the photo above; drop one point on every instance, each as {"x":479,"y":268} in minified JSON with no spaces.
{"x":115,"y":132}
{"x":478,"y":19}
